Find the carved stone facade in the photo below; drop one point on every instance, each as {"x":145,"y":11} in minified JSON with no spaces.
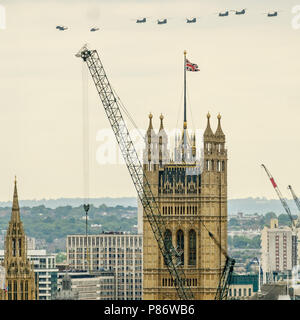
{"x":192,"y":196}
{"x":19,"y":274}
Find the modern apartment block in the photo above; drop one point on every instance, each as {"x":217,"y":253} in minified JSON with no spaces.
{"x":279,"y":248}
{"x":112,"y":251}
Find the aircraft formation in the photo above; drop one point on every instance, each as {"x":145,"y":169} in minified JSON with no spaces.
{"x":187,"y":20}
{"x":194,"y":19}
{"x":63,"y":28}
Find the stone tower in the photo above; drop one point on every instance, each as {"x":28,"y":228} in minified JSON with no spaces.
{"x":192,"y":197}
{"x":19,"y":277}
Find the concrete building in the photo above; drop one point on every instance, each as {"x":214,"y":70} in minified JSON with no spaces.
{"x":279,"y":248}
{"x":82,"y":285}
{"x":114,"y":251}
{"x":243,"y":286}
{"x":191,"y":192}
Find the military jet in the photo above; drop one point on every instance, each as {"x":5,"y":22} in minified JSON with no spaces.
{"x":61,"y":28}
{"x":163,"y":21}
{"x":223,"y":14}
{"x":193,"y":20}
{"x":94,"y":29}
{"x":240,"y":12}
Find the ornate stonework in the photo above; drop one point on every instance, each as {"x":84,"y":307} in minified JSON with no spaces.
{"x":19,"y":277}
{"x":192,"y":196}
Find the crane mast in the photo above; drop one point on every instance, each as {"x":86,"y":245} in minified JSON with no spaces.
{"x":295,"y":197}
{"x":225,"y":279}
{"x":112,"y":108}
{"x":283,"y":202}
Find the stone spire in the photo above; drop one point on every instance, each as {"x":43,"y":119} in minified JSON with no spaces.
{"x":15,"y":214}
{"x":219,"y":132}
{"x":208,"y":133}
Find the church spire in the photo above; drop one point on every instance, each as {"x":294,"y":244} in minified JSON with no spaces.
{"x":15,"y":215}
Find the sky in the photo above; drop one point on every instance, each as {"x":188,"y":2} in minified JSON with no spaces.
{"x":250,"y":72}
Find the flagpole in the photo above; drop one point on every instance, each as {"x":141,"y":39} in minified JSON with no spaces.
{"x":184,"y":116}
{"x":184,"y":120}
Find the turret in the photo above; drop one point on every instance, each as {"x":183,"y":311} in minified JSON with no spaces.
{"x":163,"y":153}
{"x":150,"y":156}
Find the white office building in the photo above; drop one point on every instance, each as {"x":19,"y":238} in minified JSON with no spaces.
{"x":115,"y":251}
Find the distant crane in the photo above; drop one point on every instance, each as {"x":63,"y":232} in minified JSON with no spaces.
{"x":284,"y":203}
{"x":225,"y":279}
{"x":295,"y":197}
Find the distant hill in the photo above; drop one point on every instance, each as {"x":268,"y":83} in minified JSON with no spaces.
{"x":259,"y":205}
{"x":74,"y":202}
{"x":245,"y":205}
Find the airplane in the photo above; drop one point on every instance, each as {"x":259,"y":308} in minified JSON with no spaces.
{"x":223,"y":14}
{"x":94,"y":29}
{"x":163,"y":21}
{"x":193,"y":20}
{"x":61,"y":28}
{"x":274,"y":14}
{"x":240,"y":12}
{"x":141,"y":20}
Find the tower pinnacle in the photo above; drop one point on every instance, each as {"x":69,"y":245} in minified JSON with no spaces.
{"x":15,"y":216}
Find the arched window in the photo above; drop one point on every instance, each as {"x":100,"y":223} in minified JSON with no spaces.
{"x":168,"y":241}
{"x":192,"y":248}
{"x":180,"y":245}
{"x":20,"y":247}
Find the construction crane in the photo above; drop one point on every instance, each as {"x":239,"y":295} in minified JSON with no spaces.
{"x":296,"y":201}
{"x":295,"y":197}
{"x":284,"y":203}
{"x":112,"y":106}
{"x":225,"y":279}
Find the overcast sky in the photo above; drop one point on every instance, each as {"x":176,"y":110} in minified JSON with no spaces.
{"x":250,"y":73}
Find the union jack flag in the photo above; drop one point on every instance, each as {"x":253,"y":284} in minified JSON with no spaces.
{"x":191,"y":66}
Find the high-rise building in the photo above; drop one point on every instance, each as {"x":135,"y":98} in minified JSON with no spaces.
{"x":278,"y":248}
{"x":190,"y":188}
{"x":113,"y":251}
{"x":20,"y":280}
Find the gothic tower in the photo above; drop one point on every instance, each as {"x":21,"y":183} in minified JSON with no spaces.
{"x":19,"y":274}
{"x":192,"y":197}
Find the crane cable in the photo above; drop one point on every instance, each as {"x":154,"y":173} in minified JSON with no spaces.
{"x":85,"y":153}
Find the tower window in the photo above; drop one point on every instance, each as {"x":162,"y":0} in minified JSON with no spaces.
{"x":14,"y":247}
{"x":20,"y":247}
{"x":180,"y":245}
{"x":167,"y":241}
{"x":192,"y":247}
